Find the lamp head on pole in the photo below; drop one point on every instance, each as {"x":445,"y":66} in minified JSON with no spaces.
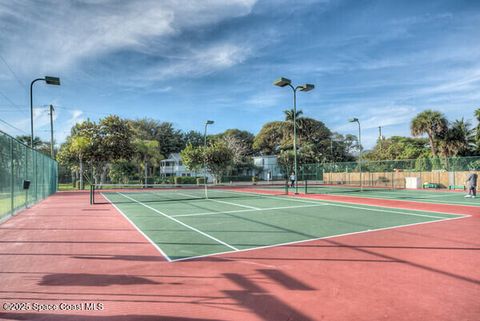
{"x":52,"y":80}
{"x":209,"y":122}
{"x":353,"y":120}
{"x":282,"y":82}
{"x":306,"y":87}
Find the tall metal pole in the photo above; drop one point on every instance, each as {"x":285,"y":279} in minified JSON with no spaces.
{"x":208,"y":122}
{"x":205,"y":160}
{"x":31,"y":110}
{"x":331,"y":150}
{"x":380,"y":136}
{"x":295,"y":138}
{"x":360,"y":155}
{"x":283,"y":82}
{"x":52,"y":153}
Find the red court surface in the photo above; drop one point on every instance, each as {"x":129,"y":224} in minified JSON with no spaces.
{"x":65,"y":252}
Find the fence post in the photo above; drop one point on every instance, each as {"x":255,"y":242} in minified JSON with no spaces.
{"x":12,"y":178}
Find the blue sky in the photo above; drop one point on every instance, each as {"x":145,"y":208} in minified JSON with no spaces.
{"x":188,"y":61}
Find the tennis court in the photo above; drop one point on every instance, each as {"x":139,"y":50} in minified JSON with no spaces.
{"x":182,"y":224}
{"x":429,"y":196}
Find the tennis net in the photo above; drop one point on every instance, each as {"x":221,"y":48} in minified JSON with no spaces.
{"x":141,"y":193}
{"x":342,"y":188}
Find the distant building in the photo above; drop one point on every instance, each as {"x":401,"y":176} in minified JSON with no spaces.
{"x":270,"y":169}
{"x":267,"y":168}
{"x":173,"y":166}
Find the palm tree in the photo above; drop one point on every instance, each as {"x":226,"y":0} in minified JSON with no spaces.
{"x":289,"y":113}
{"x":458,"y":140}
{"x":37,"y":142}
{"x":432,"y":123}
{"x":300,"y":121}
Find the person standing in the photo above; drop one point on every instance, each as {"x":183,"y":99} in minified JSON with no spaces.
{"x":293,"y":179}
{"x":472,"y":185}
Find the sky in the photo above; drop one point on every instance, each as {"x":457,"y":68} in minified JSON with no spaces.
{"x":186,"y":61}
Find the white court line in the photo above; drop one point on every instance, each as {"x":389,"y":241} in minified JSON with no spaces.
{"x":386,"y":211}
{"x":420,"y":193}
{"x":224,"y":202}
{"x":316,"y":239}
{"x":417,"y":200}
{"x":181,"y":223}
{"x":140,"y":231}
{"x":252,"y":210}
{"x":367,"y":207}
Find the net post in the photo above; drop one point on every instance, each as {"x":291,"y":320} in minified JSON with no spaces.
{"x":306,"y":186}
{"x":92,"y":193}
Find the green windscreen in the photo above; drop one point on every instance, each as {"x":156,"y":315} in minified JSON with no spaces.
{"x":17,"y":164}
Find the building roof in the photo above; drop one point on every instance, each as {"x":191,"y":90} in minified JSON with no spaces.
{"x":173,"y":157}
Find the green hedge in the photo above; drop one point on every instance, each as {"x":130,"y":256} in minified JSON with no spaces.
{"x":185,"y":180}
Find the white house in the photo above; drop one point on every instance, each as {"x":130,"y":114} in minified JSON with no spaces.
{"x":173,"y":166}
{"x":268,"y":166}
{"x":270,"y":169}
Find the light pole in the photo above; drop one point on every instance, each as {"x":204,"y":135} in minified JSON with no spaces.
{"x":208,"y":122}
{"x":355,"y":120}
{"x":52,"y":153}
{"x":380,"y":136}
{"x":332,"y":152}
{"x":50,"y":81}
{"x":282,"y":82}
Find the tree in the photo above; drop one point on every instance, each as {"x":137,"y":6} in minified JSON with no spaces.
{"x":37,"y":142}
{"x":170,"y":140}
{"x":147,"y":152}
{"x":109,"y":141}
{"x":79,"y":146}
{"x":193,"y":137}
{"x":270,"y":138}
{"x":192,"y":157}
{"x":458,"y":140}
{"x":399,"y":147}
{"x":432,"y":123}
{"x":121,"y":171}
{"x":112,"y":142}
{"x":243,"y":137}
{"x":290,"y":115}
{"x":239,"y":149}
{"x":217,"y":158}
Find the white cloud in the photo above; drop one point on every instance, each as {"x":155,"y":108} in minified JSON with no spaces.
{"x":373,"y":117}
{"x":74,"y":116}
{"x":69,"y":32}
{"x":202,"y":61}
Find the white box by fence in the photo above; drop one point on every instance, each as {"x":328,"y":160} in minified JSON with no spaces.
{"x":413,"y":182}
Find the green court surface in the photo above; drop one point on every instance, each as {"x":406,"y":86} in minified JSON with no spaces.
{"x":185,"y":229}
{"x":429,"y":196}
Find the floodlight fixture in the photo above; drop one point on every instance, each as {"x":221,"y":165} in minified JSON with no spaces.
{"x":52,"y":80}
{"x":306,"y":87}
{"x":282,"y":82}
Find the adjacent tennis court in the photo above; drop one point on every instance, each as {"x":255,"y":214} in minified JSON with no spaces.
{"x":183,"y":224}
{"x":429,"y":196}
